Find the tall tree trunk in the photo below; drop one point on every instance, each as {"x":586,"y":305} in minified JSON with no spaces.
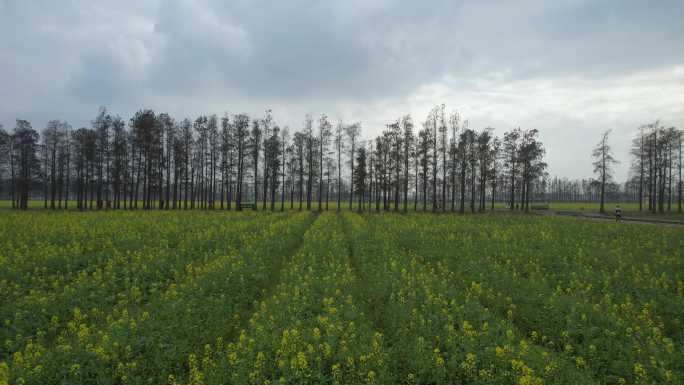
{"x":464,"y":165}
{"x":351,"y":173}
{"x":415,"y":197}
{"x":282,"y":179}
{"x":339,"y":172}
{"x":45,"y":182}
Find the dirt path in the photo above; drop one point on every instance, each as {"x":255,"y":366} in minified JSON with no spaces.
{"x":625,"y":219}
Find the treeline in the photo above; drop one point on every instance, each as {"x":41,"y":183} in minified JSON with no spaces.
{"x":655,"y":177}
{"x":587,"y":190}
{"x":656,"y":166}
{"x":234,"y":162}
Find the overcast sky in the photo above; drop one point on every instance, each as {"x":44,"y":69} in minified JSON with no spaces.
{"x":570,"y":68}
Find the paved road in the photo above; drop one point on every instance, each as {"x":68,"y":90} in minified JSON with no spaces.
{"x":600,"y":217}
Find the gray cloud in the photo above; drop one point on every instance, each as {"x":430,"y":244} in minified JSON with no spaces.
{"x":357,"y":60}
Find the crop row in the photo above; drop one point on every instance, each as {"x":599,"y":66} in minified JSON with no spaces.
{"x":437,"y":332}
{"x":308,"y":331}
{"x":611,"y":307}
{"x":296,"y":298}
{"x":140,"y":329}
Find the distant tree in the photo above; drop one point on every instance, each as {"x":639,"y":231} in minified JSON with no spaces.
{"x":241,"y":123}
{"x":272,"y":148}
{"x":396,"y":162}
{"x":669,"y":138}
{"x":310,"y":149}
{"x":473,"y":163}
{"x":292,"y":167}
{"x":102,"y":126}
{"x":680,"y":142}
{"x":530,"y":156}
{"x":360,"y":175}
{"x":267,"y":128}
{"x":371,"y":160}
{"x":67,"y":164}
{"x":324,"y":133}
{"x":511,"y":142}
{"x":285,"y":156}
{"x":638,"y":151}
{"x":147,"y":138}
{"x":424,"y":153}
{"x":443,"y":148}
{"x":494,"y":169}
{"x":299,"y":142}
{"x":4,"y":153}
{"x":353,"y":131}
{"x":185,"y":156}
{"x":170,"y":130}
{"x":407,"y":144}
{"x":199,"y":173}
{"x":119,"y":152}
{"x":603,"y":162}
{"x":465,"y":145}
{"x":484,"y":160}
{"x":329,"y":170}
{"x":53,"y":135}
{"x":382,"y":167}
{"x":255,"y":150}
{"x":85,"y":148}
{"x":339,"y":144}
{"x":454,"y":120}
{"x":227,"y":160}
{"x":25,"y":151}
{"x":432,"y":126}
{"x":167,"y":136}
{"x":415,"y":154}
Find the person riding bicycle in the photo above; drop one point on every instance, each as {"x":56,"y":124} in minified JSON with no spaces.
{"x":618,"y":213}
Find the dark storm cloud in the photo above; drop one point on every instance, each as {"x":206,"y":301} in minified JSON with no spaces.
{"x":302,"y":49}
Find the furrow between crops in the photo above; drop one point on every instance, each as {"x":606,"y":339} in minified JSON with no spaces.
{"x":67,"y":250}
{"x":438,"y":333}
{"x":40,"y":316}
{"x":558,"y":319}
{"x":146,"y":340}
{"x":309,"y":331}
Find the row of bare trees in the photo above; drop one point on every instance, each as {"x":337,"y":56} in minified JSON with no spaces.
{"x":154,"y":161}
{"x":656,"y":167}
{"x":448,"y":166}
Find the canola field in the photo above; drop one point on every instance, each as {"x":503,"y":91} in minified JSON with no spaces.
{"x":303,"y":298}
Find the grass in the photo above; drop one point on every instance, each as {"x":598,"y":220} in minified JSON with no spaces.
{"x":628,"y":209}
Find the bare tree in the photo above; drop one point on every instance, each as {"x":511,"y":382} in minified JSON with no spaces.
{"x":25,"y":151}
{"x":510,"y":152}
{"x":255,"y":148}
{"x":241,"y":123}
{"x":603,"y":162}
{"x":443,"y":148}
{"x":424,"y":153}
{"x":324,"y":132}
{"x":353,"y":131}
{"x":407,"y":143}
{"x":284,"y":138}
{"x":308,"y":132}
{"x":360,"y":175}
{"x":680,"y":141}
{"x":339,"y":147}
{"x":5,"y":151}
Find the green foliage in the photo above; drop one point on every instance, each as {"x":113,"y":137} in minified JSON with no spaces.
{"x":293,"y":298}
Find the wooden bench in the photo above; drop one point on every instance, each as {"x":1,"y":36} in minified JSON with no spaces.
{"x":248,"y":205}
